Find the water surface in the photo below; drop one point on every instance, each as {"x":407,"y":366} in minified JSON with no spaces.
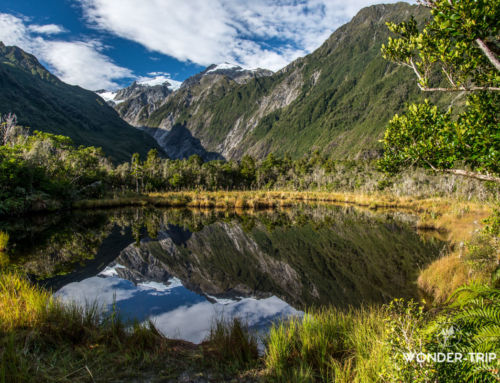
{"x":182,"y":268}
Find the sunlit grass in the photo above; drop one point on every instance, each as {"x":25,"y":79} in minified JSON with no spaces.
{"x":4,"y":240}
{"x":443,"y":276}
{"x":42,"y":339}
{"x":328,"y":345}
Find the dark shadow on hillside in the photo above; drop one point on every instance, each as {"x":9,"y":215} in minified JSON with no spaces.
{"x":179,"y":143}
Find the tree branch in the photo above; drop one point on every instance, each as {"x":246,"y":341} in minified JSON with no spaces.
{"x":465,"y":173}
{"x":419,"y":76}
{"x":478,"y":176}
{"x":459,"y":89}
{"x":450,"y":79}
{"x":488,"y":53}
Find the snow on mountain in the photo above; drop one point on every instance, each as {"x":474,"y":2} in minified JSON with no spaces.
{"x":106,"y":95}
{"x":224,"y":66}
{"x":109,"y":97}
{"x":159,"y":80}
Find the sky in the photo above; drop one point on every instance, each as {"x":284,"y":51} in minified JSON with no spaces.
{"x":108,"y":44}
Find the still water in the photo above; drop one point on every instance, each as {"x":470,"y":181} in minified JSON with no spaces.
{"x":182,"y":269}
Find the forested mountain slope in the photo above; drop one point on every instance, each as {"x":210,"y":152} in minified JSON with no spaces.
{"x":337,"y":100}
{"x":43,"y":102}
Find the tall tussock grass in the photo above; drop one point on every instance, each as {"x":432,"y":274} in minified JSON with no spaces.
{"x":231,"y":345}
{"x":328,"y":345}
{"x":44,"y":340}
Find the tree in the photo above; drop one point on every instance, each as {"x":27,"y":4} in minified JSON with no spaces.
{"x":455,"y":52}
{"x":247,"y":169}
{"x":7,"y":126}
{"x":137,"y":170}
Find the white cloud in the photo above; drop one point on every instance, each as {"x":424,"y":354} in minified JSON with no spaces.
{"x":75,"y":62}
{"x":82,"y":63}
{"x":47,"y":29}
{"x":206,"y":32}
{"x":14,"y":32}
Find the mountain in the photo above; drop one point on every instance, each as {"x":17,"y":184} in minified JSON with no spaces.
{"x":138,"y":102}
{"x":43,"y":102}
{"x":337,"y":100}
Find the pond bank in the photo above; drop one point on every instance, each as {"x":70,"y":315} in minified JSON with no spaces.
{"x":73,"y":345}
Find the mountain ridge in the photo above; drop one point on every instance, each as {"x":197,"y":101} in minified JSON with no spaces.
{"x":337,"y":100}
{"x":43,"y":102}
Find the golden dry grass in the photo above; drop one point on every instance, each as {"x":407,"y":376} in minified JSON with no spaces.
{"x":443,"y":276}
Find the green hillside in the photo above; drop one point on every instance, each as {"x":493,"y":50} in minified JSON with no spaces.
{"x":337,"y":99}
{"x":43,"y":102}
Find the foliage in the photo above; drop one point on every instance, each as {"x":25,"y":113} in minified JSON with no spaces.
{"x":456,"y":42}
{"x":420,"y":344}
{"x":43,"y":171}
{"x":426,"y":137}
{"x":474,"y":317}
{"x":406,"y":327}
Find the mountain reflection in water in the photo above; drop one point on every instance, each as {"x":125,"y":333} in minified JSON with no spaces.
{"x":182,"y":269}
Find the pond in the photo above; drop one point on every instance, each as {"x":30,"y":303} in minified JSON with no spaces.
{"x":182,"y":269}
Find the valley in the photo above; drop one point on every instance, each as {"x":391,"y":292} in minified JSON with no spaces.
{"x":329,"y":220}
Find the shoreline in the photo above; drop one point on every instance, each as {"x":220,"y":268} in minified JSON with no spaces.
{"x":103,"y":341}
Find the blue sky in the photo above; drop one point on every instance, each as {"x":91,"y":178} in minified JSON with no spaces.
{"x":107,"y":44}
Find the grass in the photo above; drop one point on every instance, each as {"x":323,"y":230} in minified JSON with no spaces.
{"x":443,"y":276}
{"x":4,"y":240}
{"x":328,"y":345}
{"x":434,"y":212}
{"x":230,"y":345}
{"x":44,"y":340}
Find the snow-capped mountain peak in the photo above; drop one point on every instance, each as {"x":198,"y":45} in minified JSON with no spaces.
{"x":223,"y":66}
{"x":159,"y":80}
{"x":106,"y":95}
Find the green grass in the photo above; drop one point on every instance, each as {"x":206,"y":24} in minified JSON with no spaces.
{"x":231,"y":346}
{"x":4,"y":240}
{"x":326,"y":345}
{"x":44,"y":340}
